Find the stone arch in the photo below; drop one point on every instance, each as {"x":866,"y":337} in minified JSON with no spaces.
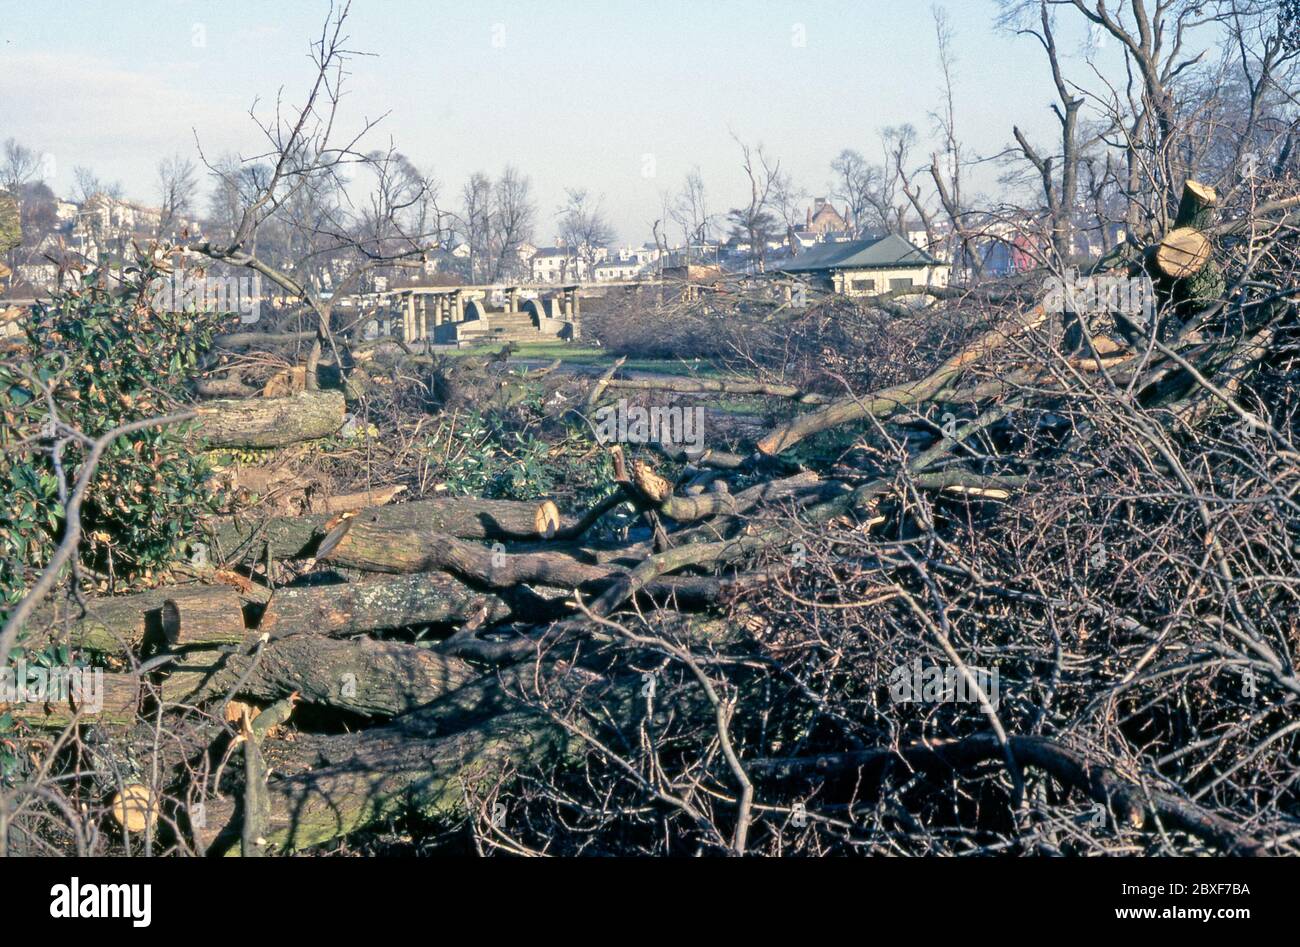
{"x":536,"y":310}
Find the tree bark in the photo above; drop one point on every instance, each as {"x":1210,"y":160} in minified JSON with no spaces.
{"x":293,"y":537}
{"x":270,"y":422}
{"x":367,"y":677}
{"x":427,"y":598}
{"x":119,"y":693}
{"x":121,"y":623}
{"x":215,"y":618}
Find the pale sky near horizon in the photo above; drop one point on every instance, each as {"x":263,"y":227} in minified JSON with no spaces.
{"x":619,"y":96}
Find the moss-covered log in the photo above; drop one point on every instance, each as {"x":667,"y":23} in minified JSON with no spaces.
{"x":120,"y":623}
{"x":357,"y":607}
{"x":372,"y":678}
{"x":270,"y":422}
{"x":102,"y":699}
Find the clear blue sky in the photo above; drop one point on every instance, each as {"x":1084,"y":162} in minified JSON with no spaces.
{"x":574,"y":92}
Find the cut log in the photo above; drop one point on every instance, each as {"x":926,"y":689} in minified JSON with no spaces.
{"x":135,"y":807}
{"x":1196,"y":209}
{"x":372,"y":678}
{"x":120,"y":623}
{"x":215,"y":618}
{"x":270,"y":422}
{"x":105,"y":699}
{"x":1182,"y":253}
{"x":292,"y":537}
{"x":355,"y":608}
{"x":352,"y":502}
{"x":387,"y":772}
{"x":725,"y":385}
{"x":381,"y":547}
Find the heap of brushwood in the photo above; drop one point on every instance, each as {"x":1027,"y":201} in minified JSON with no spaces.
{"x":717,"y":676}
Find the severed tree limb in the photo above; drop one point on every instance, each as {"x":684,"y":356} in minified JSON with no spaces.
{"x":270,"y":422}
{"x":367,"y":677}
{"x":1131,"y":802}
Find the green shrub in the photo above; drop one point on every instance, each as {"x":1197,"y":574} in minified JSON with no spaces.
{"x":104,"y":357}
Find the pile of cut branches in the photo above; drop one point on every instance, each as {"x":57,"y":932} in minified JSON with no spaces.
{"x":1034,"y":592}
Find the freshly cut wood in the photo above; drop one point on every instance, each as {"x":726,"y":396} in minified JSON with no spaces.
{"x":270,"y":422}
{"x":120,"y":623}
{"x":215,"y":618}
{"x":1183,"y":253}
{"x":135,"y":807}
{"x":292,"y":537}
{"x":373,"y":678}
{"x":353,"y":608}
{"x":287,"y":382}
{"x":104,"y":699}
{"x":1196,"y":208}
{"x":352,"y":502}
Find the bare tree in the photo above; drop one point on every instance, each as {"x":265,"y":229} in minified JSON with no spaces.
{"x":946,"y":170}
{"x":855,"y":183}
{"x":177,"y":185}
{"x":514,"y":214}
{"x":1154,"y":40}
{"x":304,"y":151}
{"x":584,"y":228}
{"x":690,"y":210}
{"x":755,"y":219}
{"x":476,"y":223}
{"x":1059,"y":180}
{"x":898,"y":142}
{"x":788,"y":198}
{"x":86,"y":184}
{"x":18,"y":165}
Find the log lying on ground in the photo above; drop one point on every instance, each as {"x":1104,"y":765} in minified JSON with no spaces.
{"x":386,"y":772}
{"x":270,"y":422}
{"x":215,"y":618}
{"x":725,"y":386}
{"x":805,"y":485}
{"x":104,"y":699}
{"x":364,"y":543}
{"x":120,"y":623}
{"x":357,"y":607}
{"x":372,"y":678}
{"x":465,"y":517}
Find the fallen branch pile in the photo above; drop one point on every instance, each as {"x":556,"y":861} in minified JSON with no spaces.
{"x":1088,"y":518}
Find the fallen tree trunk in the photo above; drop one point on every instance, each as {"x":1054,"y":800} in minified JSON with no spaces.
{"x":120,"y":623}
{"x":427,"y":598}
{"x":384,"y":773}
{"x":382,"y":547}
{"x":726,"y":386}
{"x":292,"y":537}
{"x":270,"y":422}
{"x":372,"y":678}
{"x":1130,"y":802}
{"x":105,"y":699}
{"x":216,"y":618}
